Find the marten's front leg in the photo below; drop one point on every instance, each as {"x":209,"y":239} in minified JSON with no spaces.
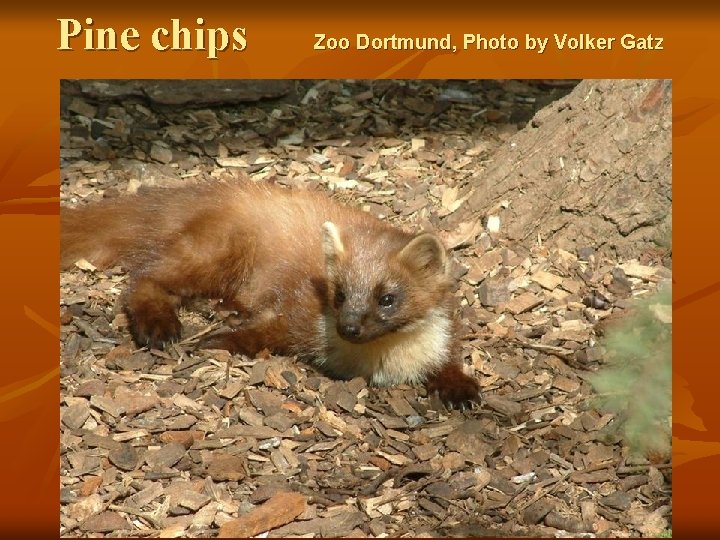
{"x":453,"y":386}
{"x":152,"y":314}
{"x":264,"y":329}
{"x":206,"y":259}
{"x":239,"y":341}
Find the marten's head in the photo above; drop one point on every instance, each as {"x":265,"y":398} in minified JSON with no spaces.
{"x":382,"y":281}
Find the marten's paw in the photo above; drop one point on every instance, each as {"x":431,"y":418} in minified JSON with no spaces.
{"x":463,"y":393}
{"x":461,"y":397}
{"x":154,"y":329}
{"x":454,"y":388}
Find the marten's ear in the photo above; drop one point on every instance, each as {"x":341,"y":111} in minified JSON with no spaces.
{"x":332,"y":246}
{"x":425,"y":254}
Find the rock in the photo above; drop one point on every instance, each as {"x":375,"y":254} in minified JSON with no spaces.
{"x":98,"y":128}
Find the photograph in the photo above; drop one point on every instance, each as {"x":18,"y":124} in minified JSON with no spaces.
{"x":365,"y":308}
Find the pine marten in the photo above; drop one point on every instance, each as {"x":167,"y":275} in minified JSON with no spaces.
{"x":308,"y":277}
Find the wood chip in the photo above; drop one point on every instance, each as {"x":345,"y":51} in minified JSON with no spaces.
{"x":547,"y":280}
{"x":282,"y":508}
{"x":522,"y":303}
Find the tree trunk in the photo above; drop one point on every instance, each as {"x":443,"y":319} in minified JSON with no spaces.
{"x":592,"y":169}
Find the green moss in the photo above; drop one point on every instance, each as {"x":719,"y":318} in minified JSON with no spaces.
{"x":637,"y":382}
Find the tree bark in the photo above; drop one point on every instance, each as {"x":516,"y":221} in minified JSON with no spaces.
{"x":592,"y":169}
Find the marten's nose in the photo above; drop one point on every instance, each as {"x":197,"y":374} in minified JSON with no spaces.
{"x":349,"y":325}
{"x":351,"y":330}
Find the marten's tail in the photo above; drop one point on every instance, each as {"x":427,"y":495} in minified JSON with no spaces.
{"x":132,"y":229}
{"x":106,"y":233}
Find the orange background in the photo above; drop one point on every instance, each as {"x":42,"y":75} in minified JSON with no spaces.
{"x":280,"y":46}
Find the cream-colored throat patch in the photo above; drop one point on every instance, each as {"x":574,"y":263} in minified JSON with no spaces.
{"x":406,"y":356}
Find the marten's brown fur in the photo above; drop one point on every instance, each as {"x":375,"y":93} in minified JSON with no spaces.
{"x":308,"y":276}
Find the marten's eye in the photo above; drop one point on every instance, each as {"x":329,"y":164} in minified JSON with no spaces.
{"x":339,"y":297}
{"x":387,"y":300}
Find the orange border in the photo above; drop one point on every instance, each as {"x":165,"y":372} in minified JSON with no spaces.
{"x":280,"y":46}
